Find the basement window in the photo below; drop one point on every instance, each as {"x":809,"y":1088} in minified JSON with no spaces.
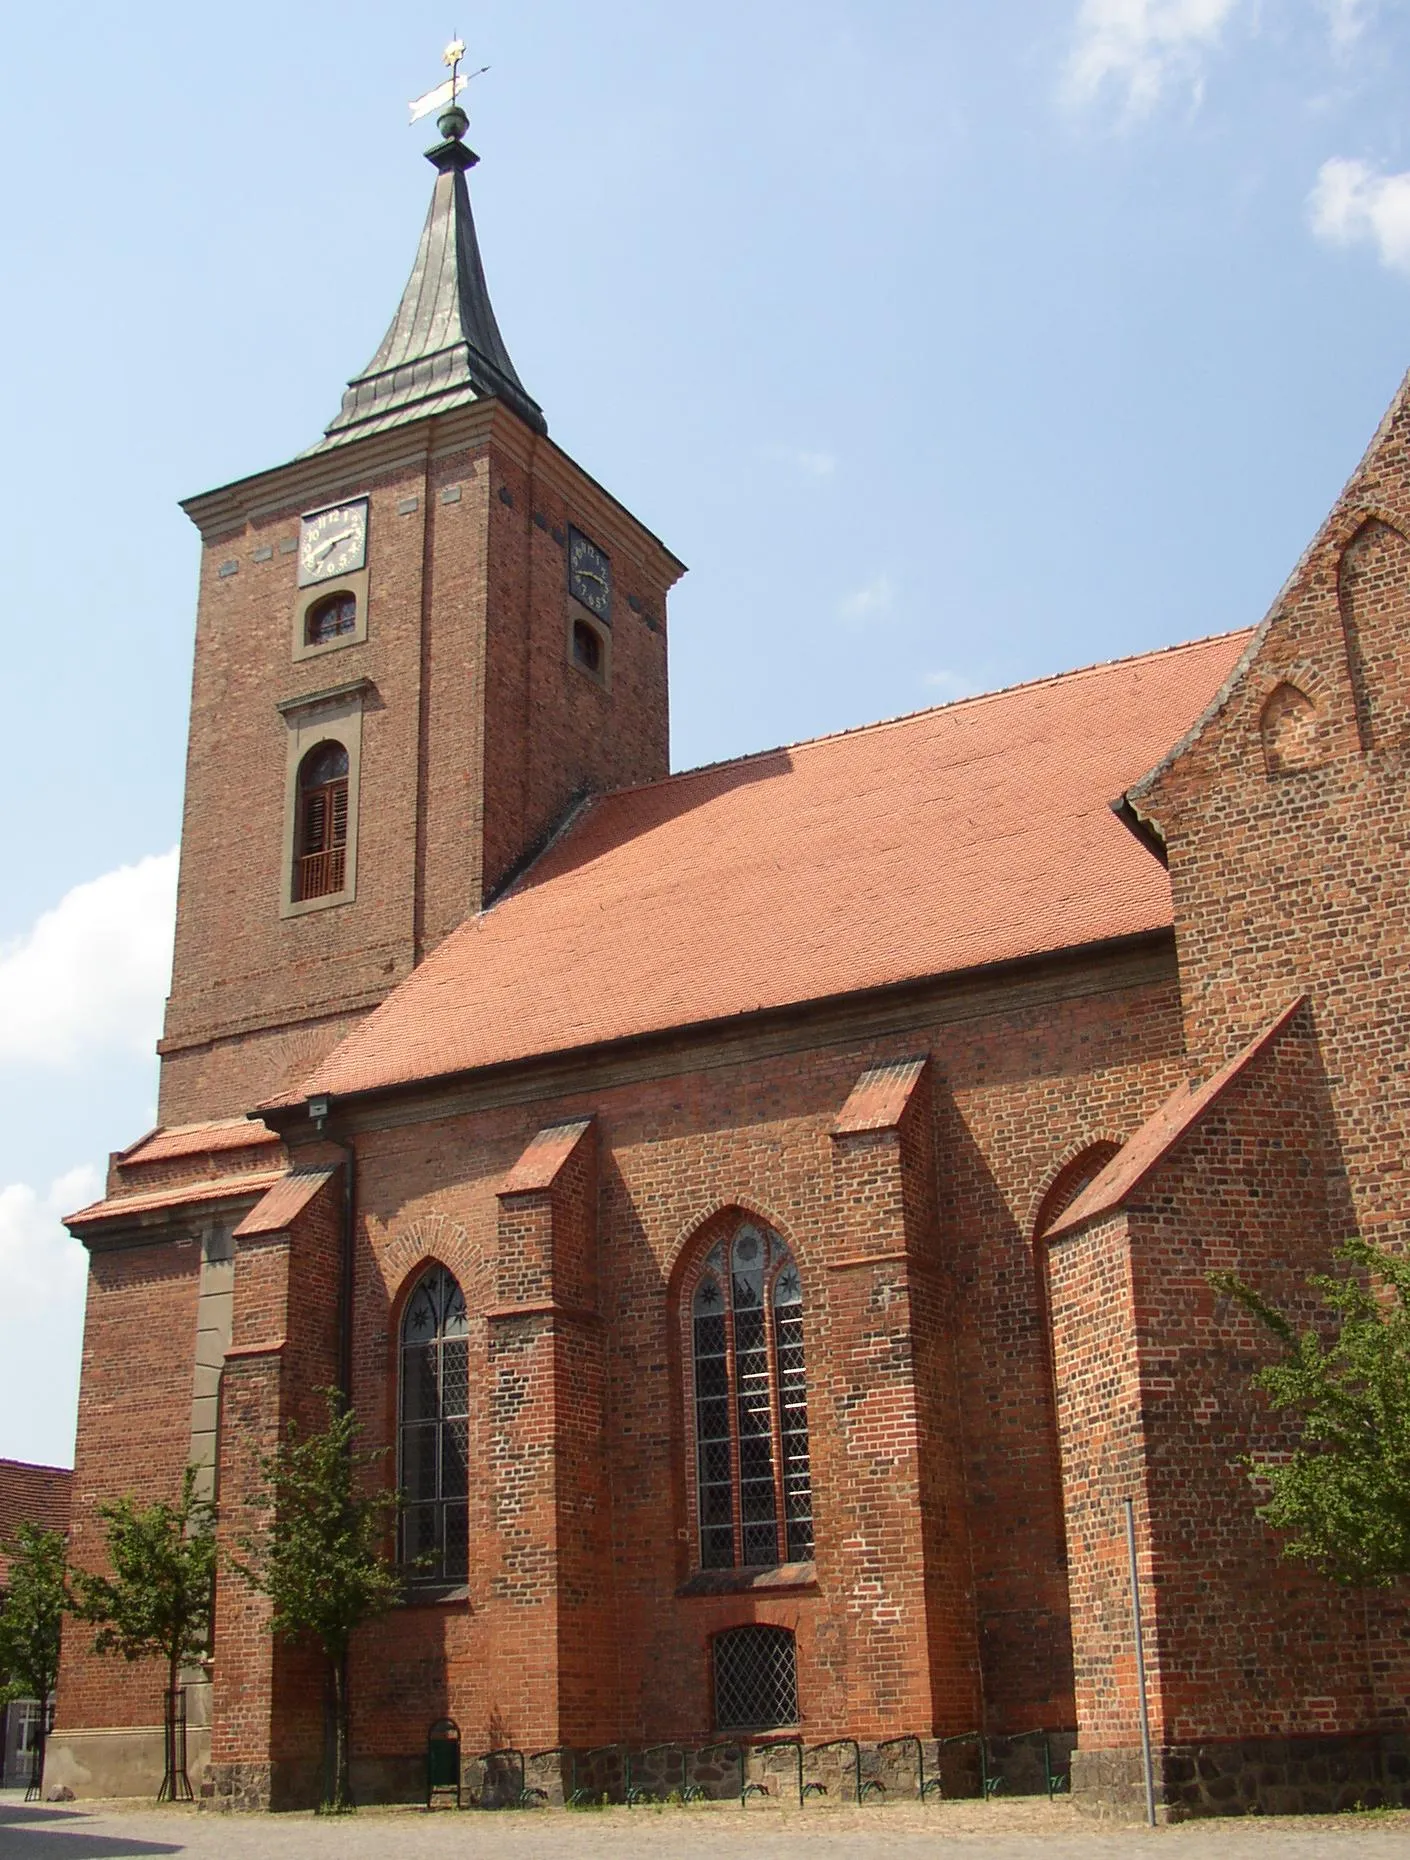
{"x":756,"y":1679}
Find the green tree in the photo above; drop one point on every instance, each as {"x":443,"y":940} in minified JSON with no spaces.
{"x":31,"y":1616}
{"x":1342,"y":1497}
{"x":321,"y":1558}
{"x":158,"y":1601}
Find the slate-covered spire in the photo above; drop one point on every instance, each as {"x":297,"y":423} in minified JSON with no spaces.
{"x":444,"y":348}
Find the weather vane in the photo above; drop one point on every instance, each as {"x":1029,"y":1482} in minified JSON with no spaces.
{"x":444,"y":95}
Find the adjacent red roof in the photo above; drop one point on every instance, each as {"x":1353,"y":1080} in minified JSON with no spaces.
{"x":286,"y":1200}
{"x":544,"y":1156}
{"x":1153,"y":1142}
{"x":977,"y":833}
{"x":175,"y":1195}
{"x":31,"y":1495}
{"x":879,"y":1098}
{"x":229,"y":1133}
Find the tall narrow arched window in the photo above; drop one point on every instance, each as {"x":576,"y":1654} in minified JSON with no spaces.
{"x":754,"y":1490}
{"x":434,"y":1432}
{"x":321,"y":827}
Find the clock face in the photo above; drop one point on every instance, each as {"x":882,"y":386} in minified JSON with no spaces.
{"x":589,"y":575}
{"x":333,"y":542}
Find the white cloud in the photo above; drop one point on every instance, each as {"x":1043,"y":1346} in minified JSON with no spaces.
{"x":41,"y":1264}
{"x":1137,"y":47}
{"x":869,"y":601}
{"x":807,"y":463}
{"x":1346,"y":21}
{"x":1350,"y":204}
{"x":951,"y":685}
{"x":92,"y":973}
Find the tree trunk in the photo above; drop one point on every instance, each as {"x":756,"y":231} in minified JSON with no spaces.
{"x":43,"y":1739}
{"x":342,"y":1793}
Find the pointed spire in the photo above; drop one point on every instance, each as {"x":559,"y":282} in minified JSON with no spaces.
{"x":444,"y":348}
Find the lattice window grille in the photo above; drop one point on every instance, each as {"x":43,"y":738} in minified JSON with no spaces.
{"x":756,"y":1679}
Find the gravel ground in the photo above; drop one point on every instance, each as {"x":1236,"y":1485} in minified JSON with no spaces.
{"x":1022,"y":1830}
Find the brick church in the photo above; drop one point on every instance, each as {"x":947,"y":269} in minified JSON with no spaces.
{"x":764,"y":1212}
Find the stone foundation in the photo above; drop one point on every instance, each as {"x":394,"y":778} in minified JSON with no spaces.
{"x":1247,"y":1776}
{"x":124,"y":1760}
{"x":243,"y":1788}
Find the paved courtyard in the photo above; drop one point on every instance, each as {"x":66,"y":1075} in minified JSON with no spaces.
{"x":1025,"y":1830}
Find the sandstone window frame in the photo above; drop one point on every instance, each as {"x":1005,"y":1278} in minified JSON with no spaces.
{"x":749,"y":1486}
{"x":356,"y":585}
{"x":323,"y":716}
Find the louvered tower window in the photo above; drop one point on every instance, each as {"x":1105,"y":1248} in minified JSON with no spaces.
{"x":753,"y":1485}
{"x":435,"y":1432}
{"x":321,"y":841}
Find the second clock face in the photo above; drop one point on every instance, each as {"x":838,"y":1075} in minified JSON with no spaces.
{"x":333,"y":542}
{"x":589,"y":575}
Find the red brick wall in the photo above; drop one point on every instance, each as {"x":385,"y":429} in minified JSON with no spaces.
{"x":268,"y":1704}
{"x":1288,"y":845}
{"x":1016,"y":1090}
{"x":476,"y":737}
{"x":1153,"y":1375}
{"x":134,"y":1435}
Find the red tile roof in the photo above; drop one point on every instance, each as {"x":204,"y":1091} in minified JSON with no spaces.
{"x":1153,"y":1142}
{"x":176,"y":1195}
{"x":31,"y":1495}
{"x":230,"y":1133}
{"x":286,"y":1200}
{"x":977,"y":833}
{"x":879,"y":1098}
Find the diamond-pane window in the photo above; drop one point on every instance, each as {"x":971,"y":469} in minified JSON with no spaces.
{"x":434,"y":1433}
{"x":756,"y":1679}
{"x":752,"y":1481}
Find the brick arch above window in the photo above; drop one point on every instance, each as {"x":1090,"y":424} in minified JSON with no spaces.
{"x":1081,"y":1168}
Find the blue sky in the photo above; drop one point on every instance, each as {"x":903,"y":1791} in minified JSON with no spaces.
{"x":950,"y":344}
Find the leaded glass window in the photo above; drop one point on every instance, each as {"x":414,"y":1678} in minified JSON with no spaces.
{"x":753,"y":1486}
{"x":435,"y":1432}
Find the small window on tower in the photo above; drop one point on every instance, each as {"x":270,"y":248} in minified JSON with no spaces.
{"x":587,"y":647}
{"x":330,"y":618}
{"x":321,"y":830}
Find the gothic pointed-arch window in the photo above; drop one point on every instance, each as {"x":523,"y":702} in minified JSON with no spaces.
{"x":321,"y":827}
{"x":434,"y":1432}
{"x":753,"y":1483}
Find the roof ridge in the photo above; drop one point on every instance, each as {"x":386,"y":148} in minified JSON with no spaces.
{"x":35,"y":1466}
{"x":925,"y":710}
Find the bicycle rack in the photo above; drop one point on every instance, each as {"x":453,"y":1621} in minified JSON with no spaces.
{"x":582,"y":1794}
{"x":988,"y":1785}
{"x":530,"y":1796}
{"x":637,"y":1793}
{"x":837,"y":1743}
{"x":926,"y":1788}
{"x":1054,"y":1782}
{"x":521,"y":1794}
{"x":746,"y":1789}
{"x":795,"y":1744}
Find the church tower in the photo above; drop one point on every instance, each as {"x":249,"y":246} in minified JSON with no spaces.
{"x":419,"y":646}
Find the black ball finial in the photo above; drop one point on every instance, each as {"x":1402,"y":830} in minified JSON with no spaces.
{"x":453,"y":123}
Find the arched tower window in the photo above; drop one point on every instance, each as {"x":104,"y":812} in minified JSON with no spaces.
{"x":753,"y":1483}
{"x":330,"y":618}
{"x":321,"y":829}
{"x":434,"y":1435}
